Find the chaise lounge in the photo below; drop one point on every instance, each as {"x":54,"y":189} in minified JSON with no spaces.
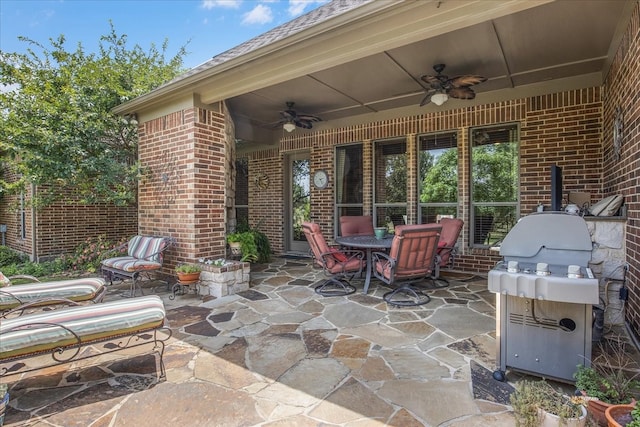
{"x":17,"y":299}
{"x":63,"y":333}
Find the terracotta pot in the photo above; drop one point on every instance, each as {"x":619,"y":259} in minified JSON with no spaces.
{"x":597,"y":408}
{"x":188,"y":277}
{"x":618,"y":415}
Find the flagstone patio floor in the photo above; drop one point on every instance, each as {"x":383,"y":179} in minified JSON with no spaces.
{"x":279,"y":354}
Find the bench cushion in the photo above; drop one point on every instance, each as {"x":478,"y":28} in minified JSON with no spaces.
{"x":78,"y":290}
{"x":34,"y":333}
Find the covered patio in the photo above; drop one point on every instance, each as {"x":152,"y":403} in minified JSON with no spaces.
{"x":280,"y":354}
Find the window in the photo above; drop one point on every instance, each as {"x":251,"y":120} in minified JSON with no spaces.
{"x":390,"y":182}
{"x":494,"y":182}
{"x":23,"y":217}
{"x":242,"y":193}
{"x":438,"y":176}
{"x":348,"y":181}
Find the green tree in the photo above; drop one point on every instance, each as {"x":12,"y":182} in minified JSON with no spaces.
{"x":495,"y":172}
{"x":440,"y":183}
{"x":56,"y":125}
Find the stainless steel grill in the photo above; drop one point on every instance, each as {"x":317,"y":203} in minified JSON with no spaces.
{"x":544,"y":295}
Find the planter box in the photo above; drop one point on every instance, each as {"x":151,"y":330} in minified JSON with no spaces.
{"x":229,"y":279}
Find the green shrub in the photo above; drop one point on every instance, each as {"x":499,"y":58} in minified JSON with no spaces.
{"x":9,"y":256}
{"x":88,"y":255}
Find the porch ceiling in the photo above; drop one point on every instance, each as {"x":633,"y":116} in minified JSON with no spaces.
{"x":551,"y":46}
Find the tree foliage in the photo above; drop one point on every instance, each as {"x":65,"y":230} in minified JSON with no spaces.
{"x":56,"y":125}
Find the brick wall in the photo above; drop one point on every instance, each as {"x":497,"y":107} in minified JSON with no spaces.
{"x":62,"y":226}
{"x":184,"y":190}
{"x":621,"y":174}
{"x":562,"y":128}
{"x":10,"y":215}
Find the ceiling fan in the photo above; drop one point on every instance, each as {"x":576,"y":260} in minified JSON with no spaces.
{"x":442,"y":87}
{"x":291,"y":119}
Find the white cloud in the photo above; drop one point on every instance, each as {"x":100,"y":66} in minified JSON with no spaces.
{"x":297,"y":7}
{"x":229,"y":4}
{"x":260,"y":14}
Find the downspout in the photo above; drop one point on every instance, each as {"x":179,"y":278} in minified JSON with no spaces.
{"x":34,"y":246}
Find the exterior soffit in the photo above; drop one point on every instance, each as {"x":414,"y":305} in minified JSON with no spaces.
{"x":324,"y":46}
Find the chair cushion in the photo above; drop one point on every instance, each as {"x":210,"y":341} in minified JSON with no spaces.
{"x":78,"y":290}
{"x":339,"y":256}
{"x":147,"y":248}
{"x":356,"y":225}
{"x":131,"y":264}
{"x":34,"y":333}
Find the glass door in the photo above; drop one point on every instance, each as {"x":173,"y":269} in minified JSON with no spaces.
{"x":298,"y":201}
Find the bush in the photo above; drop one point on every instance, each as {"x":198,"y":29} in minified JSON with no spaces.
{"x":8,"y":257}
{"x":92,"y":251}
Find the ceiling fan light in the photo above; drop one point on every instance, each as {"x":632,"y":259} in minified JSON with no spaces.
{"x":439,"y":98}
{"x":289,"y":127}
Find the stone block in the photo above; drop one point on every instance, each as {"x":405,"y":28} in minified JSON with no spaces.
{"x":229,"y":279}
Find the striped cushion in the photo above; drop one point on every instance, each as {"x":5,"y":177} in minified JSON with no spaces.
{"x":90,"y":323}
{"x":147,"y":248}
{"x":130,"y":264}
{"x":78,"y":290}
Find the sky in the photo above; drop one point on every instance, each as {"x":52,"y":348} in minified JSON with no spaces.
{"x":206,"y":27}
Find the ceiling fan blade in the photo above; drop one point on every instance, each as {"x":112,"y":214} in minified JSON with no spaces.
{"x":461,"y":93}
{"x":303,"y":123}
{"x":288,"y":115}
{"x":465,"y":81}
{"x":433,"y":81}
{"x":309,"y":118}
{"x":427,"y":97}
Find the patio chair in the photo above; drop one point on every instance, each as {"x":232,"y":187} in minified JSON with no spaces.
{"x":339,"y":264}
{"x":412,"y":258}
{"x":447,"y":250}
{"x":356,"y":225}
{"x":145,"y":255}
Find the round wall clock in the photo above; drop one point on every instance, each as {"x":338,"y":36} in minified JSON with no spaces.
{"x":321,"y":179}
{"x":261,"y":181}
{"x":618,"y":125}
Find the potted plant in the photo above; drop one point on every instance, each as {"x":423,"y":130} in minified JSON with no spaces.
{"x":188,"y":273}
{"x":242,"y":244}
{"x":537,"y":403}
{"x":623,"y":415}
{"x":612,"y":379}
{"x":253,"y":244}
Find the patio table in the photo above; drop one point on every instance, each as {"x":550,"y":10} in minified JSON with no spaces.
{"x":369,"y":243}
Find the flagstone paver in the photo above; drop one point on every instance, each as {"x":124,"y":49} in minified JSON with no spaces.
{"x":279,"y":354}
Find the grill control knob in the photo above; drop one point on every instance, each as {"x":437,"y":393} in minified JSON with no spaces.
{"x":542,"y":269}
{"x":573,"y":272}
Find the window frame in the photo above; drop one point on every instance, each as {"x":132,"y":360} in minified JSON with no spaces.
{"x":472,"y":132}
{"x":377,"y":205}
{"x":425,"y":205}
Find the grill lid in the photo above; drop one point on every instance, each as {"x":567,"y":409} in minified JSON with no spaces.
{"x":552,"y":237}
